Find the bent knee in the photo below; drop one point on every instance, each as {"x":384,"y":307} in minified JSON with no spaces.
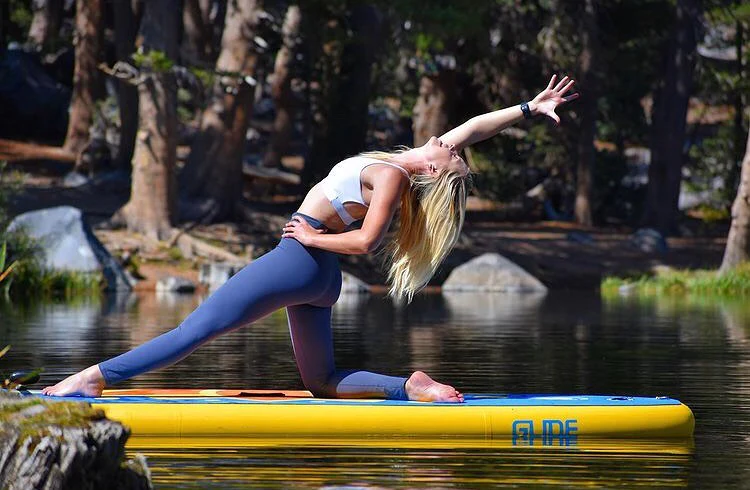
{"x":320,"y":388}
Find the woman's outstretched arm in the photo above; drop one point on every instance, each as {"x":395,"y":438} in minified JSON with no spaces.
{"x":485,"y":126}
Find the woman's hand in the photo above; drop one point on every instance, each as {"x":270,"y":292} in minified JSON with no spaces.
{"x":300,"y":230}
{"x":552,"y":96}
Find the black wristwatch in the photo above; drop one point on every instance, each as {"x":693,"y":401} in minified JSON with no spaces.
{"x":526,"y":111}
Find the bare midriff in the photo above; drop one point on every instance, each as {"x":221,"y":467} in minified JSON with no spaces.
{"x":316,"y":205}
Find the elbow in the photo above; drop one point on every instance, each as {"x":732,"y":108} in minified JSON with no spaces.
{"x":369,"y":245}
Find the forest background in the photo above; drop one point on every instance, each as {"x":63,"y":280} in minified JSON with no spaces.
{"x":165,"y":117}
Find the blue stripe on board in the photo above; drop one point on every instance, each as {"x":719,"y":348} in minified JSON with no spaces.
{"x":471,"y":401}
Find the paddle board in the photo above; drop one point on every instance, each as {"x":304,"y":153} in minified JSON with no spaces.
{"x":521,"y":419}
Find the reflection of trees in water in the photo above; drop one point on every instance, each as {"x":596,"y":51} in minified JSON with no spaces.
{"x":694,"y":347}
{"x":445,"y":463}
{"x":61,"y":331}
{"x":701,"y":320}
{"x":150,"y":314}
{"x":369,"y":332}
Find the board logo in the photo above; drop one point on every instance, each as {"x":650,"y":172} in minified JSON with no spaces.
{"x":554,"y":432}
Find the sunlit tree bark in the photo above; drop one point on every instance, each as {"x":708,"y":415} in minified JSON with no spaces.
{"x":281,"y":88}
{"x":46,"y":22}
{"x":433,"y":112}
{"x":738,"y":241}
{"x":152,"y":206}
{"x":196,"y":43}
{"x":211,"y":181}
{"x":87,"y":52}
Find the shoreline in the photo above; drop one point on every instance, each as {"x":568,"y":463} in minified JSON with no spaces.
{"x":560,"y":254}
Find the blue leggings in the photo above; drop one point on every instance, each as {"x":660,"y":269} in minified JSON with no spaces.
{"x":307,"y":281}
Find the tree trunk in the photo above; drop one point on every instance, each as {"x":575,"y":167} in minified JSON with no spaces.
{"x":587,"y":108}
{"x":739,"y":133}
{"x":738,"y":241}
{"x":433,"y":112}
{"x":45,"y":24}
{"x":669,"y":122}
{"x":86,"y":40}
{"x":196,"y":43}
{"x":341,"y":121}
{"x":348,"y":120}
{"x":152,"y":206}
{"x":321,"y":56}
{"x":127,"y":94}
{"x":213,"y":173}
{"x":4,"y":23}
{"x":281,"y":89}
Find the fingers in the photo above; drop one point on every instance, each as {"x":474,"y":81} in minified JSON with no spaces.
{"x":561,"y":83}
{"x":551,"y":82}
{"x":567,"y":86}
{"x":570,"y":97}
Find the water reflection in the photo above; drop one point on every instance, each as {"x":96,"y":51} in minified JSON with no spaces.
{"x":695,"y":349}
{"x":357,"y":467}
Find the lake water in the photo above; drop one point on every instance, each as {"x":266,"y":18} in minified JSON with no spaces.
{"x":693,"y":349}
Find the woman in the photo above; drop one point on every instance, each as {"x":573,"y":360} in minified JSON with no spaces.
{"x":302,"y":273}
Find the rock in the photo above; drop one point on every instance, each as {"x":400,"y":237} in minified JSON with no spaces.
{"x":649,"y":240}
{"x":352,"y":285}
{"x":69,"y":244}
{"x":492,"y":272}
{"x":214,"y":274}
{"x":70,"y":446}
{"x":493,"y":308}
{"x":74,"y":179}
{"x":175,"y":284}
{"x":579,"y":237}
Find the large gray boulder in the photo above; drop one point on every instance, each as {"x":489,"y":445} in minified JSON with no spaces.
{"x":492,"y":272}
{"x":68,"y":244}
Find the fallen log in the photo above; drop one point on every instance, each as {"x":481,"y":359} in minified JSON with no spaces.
{"x":14,"y":151}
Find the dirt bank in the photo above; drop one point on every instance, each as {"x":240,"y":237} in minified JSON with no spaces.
{"x":558,"y":253}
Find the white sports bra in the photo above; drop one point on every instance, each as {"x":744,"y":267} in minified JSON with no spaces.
{"x":343,"y":184}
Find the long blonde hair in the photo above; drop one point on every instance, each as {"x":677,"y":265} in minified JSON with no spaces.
{"x":432,"y":214}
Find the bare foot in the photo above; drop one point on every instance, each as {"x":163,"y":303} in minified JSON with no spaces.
{"x":88,"y":382}
{"x":422,"y":388}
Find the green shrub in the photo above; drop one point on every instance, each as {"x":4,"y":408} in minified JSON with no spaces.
{"x":708,"y":282}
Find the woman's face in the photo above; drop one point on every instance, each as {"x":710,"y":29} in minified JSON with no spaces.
{"x":438,"y":156}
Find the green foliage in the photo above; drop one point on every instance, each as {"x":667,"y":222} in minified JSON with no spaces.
{"x":30,"y":277}
{"x":732,"y":283}
{"x":206,"y":77}
{"x":711,"y":214}
{"x":175,"y":254}
{"x":154,"y":61}
{"x":10,"y":183}
{"x":497,"y":175}
{"x":4,"y":273}
{"x":20,"y":19}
